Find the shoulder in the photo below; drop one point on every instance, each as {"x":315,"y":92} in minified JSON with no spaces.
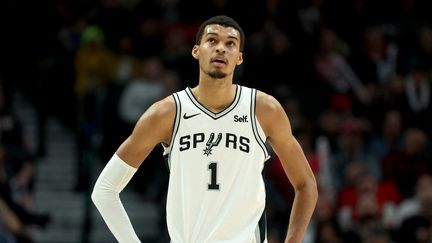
{"x":158,"y":119}
{"x":266,"y":104}
{"x":160,"y":109}
{"x":166,"y":106}
{"x":270,"y":114}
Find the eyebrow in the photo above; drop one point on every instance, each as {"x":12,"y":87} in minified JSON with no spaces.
{"x":229,"y":36}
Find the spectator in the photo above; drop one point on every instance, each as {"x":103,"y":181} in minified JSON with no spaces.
{"x":12,"y":230}
{"x":329,"y":232}
{"x":420,"y":203}
{"x":378,"y":58}
{"x":15,"y":153}
{"x":389,"y":135}
{"x":378,"y":236}
{"x":333,"y":69}
{"x":365,"y":196}
{"x":404,"y":166}
{"x":420,"y":50}
{"x":93,"y":62}
{"x":140,"y":93}
{"x":352,"y":149}
{"x":415,"y":229}
{"x":126,"y":66}
{"x":418,"y":97}
{"x":17,"y":217}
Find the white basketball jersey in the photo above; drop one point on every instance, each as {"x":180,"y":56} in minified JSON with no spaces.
{"x":216,"y":191}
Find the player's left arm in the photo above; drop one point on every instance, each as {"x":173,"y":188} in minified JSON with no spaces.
{"x":277,"y":128}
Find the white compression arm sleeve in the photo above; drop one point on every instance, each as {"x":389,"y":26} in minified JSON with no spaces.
{"x":112,"y":180}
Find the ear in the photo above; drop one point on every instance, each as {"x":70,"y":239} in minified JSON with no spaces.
{"x":195,"y":51}
{"x":240,"y":59}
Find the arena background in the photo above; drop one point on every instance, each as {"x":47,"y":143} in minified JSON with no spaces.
{"x":354,"y":77}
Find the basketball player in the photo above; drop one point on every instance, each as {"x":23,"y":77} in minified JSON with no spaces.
{"x":214,"y":140}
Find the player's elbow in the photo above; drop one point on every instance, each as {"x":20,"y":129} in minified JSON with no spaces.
{"x":308,"y":187}
{"x":95,"y":196}
{"x":98,"y":195}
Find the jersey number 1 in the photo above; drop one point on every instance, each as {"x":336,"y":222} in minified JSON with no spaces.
{"x":213,"y":176}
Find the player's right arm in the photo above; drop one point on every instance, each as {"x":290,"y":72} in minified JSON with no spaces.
{"x":154,"y":127}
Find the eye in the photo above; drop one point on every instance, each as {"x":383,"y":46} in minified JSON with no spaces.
{"x":231,"y":43}
{"x":211,"y":40}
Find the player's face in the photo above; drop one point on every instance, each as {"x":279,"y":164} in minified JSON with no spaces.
{"x":219,"y":51}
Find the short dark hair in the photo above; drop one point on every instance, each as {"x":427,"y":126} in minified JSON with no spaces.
{"x":224,"y":21}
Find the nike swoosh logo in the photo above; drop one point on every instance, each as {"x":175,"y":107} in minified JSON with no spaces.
{"x":187,"y":117}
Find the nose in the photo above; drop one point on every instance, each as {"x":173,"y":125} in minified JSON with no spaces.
{"x":220,"y":48}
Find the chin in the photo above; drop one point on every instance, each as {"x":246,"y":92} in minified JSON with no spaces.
{"x":217,"y":74}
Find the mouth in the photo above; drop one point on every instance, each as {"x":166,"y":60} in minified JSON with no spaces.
{"x":219,"y":61}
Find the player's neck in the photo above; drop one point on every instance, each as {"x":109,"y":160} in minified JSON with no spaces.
{"x":215,"y":95}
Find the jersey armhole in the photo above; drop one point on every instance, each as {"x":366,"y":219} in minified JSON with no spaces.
{"x":168,"y":147}
{"x":258,"y":132}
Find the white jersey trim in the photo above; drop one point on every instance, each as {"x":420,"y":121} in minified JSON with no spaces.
{"x":256,"y":127}
{"x":168,"y":149}
{"x":213,"y":114}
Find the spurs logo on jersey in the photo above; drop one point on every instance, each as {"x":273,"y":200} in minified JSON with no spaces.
{"x":216,"y":191}
{"x":210,"y":143}
{"x":197,"y":140}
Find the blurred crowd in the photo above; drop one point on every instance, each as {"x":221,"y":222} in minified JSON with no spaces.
{"x":354,"y":77}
